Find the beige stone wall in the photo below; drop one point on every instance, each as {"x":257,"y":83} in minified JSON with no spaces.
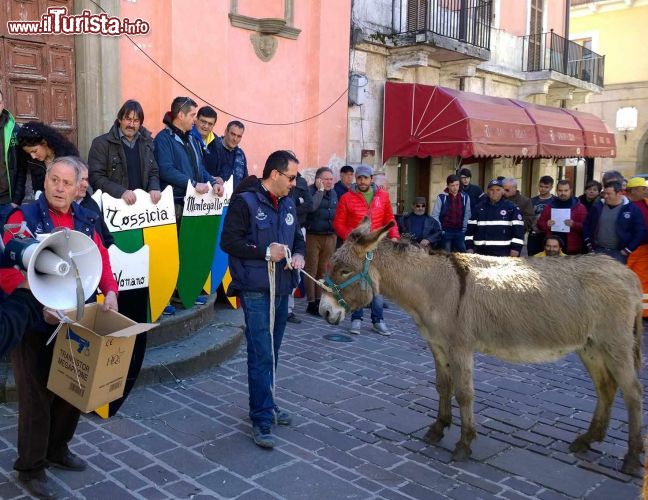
{"x":632,"y":149}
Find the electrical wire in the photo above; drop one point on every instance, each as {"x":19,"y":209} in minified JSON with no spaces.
{"x":199,"y":97}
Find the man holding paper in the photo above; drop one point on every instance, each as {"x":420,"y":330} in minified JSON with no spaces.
{"x":564,"y":216}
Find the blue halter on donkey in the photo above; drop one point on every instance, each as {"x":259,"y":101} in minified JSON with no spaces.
{"x":363,"y":275}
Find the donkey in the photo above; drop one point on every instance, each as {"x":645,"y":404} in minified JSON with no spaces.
{"x":517,"y":309}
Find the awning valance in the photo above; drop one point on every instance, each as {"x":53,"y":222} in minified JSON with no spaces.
{"x":423,"y":120}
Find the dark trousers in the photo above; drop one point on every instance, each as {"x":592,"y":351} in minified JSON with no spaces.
{"x":46,"y":422}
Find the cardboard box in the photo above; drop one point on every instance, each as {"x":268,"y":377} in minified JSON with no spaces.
{"x":91,"y":357}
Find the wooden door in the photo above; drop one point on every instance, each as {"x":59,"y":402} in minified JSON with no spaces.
{"x":37,"y":71}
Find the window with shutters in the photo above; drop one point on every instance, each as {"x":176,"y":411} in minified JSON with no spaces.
{"x":417,"y":11}
{"x":535,"y":35}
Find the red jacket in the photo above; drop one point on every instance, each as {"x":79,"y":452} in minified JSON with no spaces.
{"x":352,"y":208}
{"x":575,"y":235}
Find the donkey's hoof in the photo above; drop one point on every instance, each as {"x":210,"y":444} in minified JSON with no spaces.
{"x":433,"y":436}
{"x":631,"y":466}
{"x":461,"y":453}
{"x":579,"y":445}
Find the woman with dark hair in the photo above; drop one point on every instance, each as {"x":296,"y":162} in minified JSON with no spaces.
{"x":43,"y":143}
{"x":591,"y":195}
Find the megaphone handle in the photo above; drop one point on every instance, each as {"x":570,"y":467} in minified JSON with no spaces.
{"x":80,"y":296}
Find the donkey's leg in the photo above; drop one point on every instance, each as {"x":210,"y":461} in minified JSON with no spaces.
{"x":606,"y":387}
{"x":461,"y":369}
{"x":444,"y":388}
{"x":623,"y":371}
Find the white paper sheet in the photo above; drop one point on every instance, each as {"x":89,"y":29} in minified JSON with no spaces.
{"x":559,"y":216}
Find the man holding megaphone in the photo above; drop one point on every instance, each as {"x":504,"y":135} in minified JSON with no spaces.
{"x":46,"y":422}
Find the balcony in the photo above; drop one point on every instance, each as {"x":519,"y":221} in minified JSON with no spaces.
{"x":548,"y":51}
{"x":457,"y":28}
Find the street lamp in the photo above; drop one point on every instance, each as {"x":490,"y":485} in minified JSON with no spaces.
{"x":626,"y":120}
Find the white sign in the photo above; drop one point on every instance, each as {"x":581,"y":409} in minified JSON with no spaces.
{"x":559,"y":216}
{"x":120,"y":216}
{"x":196,"y":204}
{"x":131,"y":270}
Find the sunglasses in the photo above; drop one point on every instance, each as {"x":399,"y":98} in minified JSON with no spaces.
{"x":290,"y":178}
{"x":419,"y":206}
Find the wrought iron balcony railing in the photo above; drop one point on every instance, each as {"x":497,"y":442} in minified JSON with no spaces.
{"x":549,"y":51}
{"x":467,"y":21}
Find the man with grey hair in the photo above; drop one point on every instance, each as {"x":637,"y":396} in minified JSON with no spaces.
{"x":46,"y":422}
{"x":512,"y":194}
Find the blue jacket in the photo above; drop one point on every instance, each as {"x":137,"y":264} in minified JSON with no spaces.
{"x":320,"y":219}
{"x":495,"y":229}
{"x":630,"y":226}
{"x":431,"y":229}
{"x":225,"y":163}
{"x":176,"y":165}
{"x":39,"y":221}
{"x":441,"y":208}
{"x":251,"y":224}
{"x":475,"y":194}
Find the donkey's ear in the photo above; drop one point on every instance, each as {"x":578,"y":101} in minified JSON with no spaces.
{"x":363,"y":229}
{"x":368,"y":242}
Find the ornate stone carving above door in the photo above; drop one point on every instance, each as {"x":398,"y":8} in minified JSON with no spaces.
{"x":265,"y":46}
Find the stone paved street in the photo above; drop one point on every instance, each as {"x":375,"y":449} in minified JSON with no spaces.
{"x":360,"y":411}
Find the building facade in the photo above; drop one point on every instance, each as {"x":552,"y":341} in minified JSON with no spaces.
{"x":502,"y":48}
{"x":616,"y":28}
{"x":279,"y":66}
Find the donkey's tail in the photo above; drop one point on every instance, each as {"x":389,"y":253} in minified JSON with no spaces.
{"x":638,"y":333}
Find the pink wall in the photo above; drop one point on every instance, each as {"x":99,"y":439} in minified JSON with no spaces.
{"x":196,"y":43}
{"x":514,"y":17}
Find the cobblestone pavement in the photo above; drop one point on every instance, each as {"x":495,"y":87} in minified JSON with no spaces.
{"x":360,"y":410}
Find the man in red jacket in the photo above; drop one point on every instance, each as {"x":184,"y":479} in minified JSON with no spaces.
{"x":363,"y":199}
{"x":577,"y":215}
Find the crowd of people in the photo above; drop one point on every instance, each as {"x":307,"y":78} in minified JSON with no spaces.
{"x":275,"y":226}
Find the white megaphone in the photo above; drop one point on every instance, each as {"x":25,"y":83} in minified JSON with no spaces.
{"x":63,"y":268}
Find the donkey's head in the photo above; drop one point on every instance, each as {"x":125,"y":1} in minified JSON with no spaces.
{"x":350,"y":277}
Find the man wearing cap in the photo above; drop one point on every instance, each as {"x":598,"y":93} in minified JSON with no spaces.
{"x":452,"y":212}
{"x":421,"y":228}
{"x":496,"y":228}
{"x":637,"y":190}
{"x":473,"y":191}
{"x":364,"y":199}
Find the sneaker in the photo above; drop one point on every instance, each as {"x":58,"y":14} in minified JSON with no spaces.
{"x":292,"y":318}
{"x":381,"y":328}
{"x":262,"y":435}
{"x":312,"y":308}
{"x":355,"y":326}
{"x":169,"y":310}
{"x":282,"y":417}
{"x":201,"y":300}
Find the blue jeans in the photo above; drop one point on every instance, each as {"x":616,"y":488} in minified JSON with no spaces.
{"x":454,"y":240}
{"x":376,"y":310}
{"x":256,"y":307}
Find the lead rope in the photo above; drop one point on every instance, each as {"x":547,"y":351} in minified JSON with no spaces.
{"x":272,"y":274}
